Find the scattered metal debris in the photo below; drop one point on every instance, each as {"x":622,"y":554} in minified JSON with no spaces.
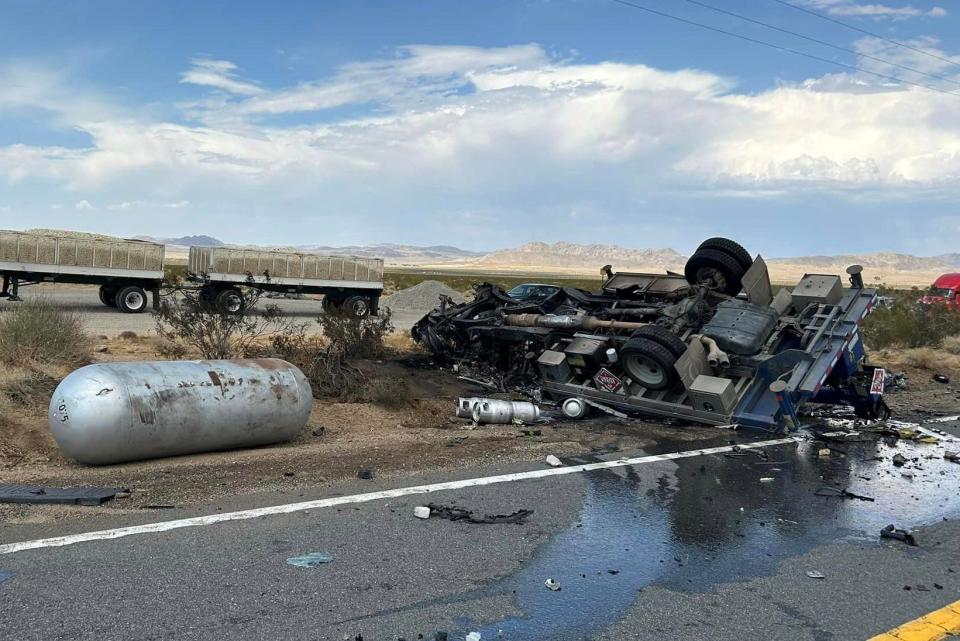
{"x":552,"y":584}
{"x":454,"y":513}
{"x":63,"y":495}
{"x":553,"y":461}
{"x":310,"y":560}
{"x":892,"y":532}
{"x":952,"y":456}
{"x":421,"y":512}
{"x":491,"y":410}
{"x":816,"y":574}
{"x":941,"y":378}
{"x":842,"y":493}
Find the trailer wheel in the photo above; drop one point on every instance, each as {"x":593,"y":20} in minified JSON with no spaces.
{"x":108,"y":296}
{"x":727,"y":246}
{"x":330,"y":304}
{"x":716,"y":268}
{"x":662,"y":336}
{"x":649,"y":364}
{"x":357,"y":306}
{"x":230,"y":301}
{"x":132,"y":299}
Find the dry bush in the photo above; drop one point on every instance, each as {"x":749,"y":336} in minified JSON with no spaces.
{"x":29,"y":390}
{"x":951,"y":344}
{"x":186,"y":322}
{"x":391,"y":393}
{"x":357,"y":337}
{"x":127,"y":335}
{"x":38,"y":331}
{"x":925,"y":358}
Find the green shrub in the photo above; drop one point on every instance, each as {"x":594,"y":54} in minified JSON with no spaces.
{"x":37,"y":330}
{"x":910,"y":324}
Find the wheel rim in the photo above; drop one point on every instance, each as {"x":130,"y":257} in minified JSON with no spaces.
{"x":134,"y":300}
{"x":233,"y":303}
{"x":645,"y":371}
{"x":359,"y":308}
{"x":712,"y":275}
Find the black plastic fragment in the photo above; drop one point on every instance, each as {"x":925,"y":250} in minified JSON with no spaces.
{"x":454,"y":513}
{"x":67,"y":495}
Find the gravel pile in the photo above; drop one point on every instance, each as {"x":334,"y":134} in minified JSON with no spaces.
{"x":424,"y":296}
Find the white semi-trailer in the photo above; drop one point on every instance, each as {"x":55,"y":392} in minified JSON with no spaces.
{"x":125,"y":270}
{"x":348,"y":283}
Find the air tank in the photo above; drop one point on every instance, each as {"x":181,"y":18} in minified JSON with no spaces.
{"x":116,"y":412}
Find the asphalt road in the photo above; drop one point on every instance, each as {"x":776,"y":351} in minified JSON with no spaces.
{"x":699,"y":548}
{"x":107,"y":321}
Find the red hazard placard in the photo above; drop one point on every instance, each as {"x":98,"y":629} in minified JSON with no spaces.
{"x":879,"y":376}
{"x":607,"y":380}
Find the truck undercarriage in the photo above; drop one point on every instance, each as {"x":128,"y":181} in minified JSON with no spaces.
{"x":713,"y":345}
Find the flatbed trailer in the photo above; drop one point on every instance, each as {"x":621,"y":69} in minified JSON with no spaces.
{"x":125,"y":270}
{"x":347,"y":283}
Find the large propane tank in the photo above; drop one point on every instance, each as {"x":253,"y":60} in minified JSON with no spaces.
{"x":116,"y":412}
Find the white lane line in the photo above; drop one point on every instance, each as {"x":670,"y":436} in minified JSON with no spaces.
{"x":164,"y":526}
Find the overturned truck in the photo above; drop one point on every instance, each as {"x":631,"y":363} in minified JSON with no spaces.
{"x":713,"y":345}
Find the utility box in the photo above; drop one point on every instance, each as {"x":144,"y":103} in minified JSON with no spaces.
{"x":817,"y":288}
{"x":554,"y":367}
{"x":712,"y":394}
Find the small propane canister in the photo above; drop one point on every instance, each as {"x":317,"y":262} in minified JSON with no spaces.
{"x":612,"y":355}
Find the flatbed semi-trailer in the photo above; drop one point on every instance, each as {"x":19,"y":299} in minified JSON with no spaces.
{"x":125,"y":270}
{"x":348,"y":283}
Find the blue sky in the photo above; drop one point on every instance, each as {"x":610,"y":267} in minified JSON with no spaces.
{"x":482,"y":124}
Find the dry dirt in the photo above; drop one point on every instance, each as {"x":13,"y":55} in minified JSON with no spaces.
{"x":342,"y":438}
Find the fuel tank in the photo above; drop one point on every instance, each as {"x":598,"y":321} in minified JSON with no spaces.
{"x":116,"y":412}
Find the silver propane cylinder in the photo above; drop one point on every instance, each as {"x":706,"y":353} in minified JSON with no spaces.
{"x":489,"y":410}
{"x":117,"y":412}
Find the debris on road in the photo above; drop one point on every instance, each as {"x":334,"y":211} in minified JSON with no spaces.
{"x":842,"y":493}
{"x":421,"y":512}
{"x":552,"y":584}
{"x":454,"y":513}
{"x":553,"y":461}
{"x":491,"y":410}
{"x":473,"y":636}
{"x":892,"y":532}
{"x":62,"y":495}
{"x":816,"y":574}
{"x":311,"y":560}
{"x":823,"y":452}
{"x":952,"y":456}
{"x":899,"y":460}
{"x":941,"y":378}
{"x":365,"y":474}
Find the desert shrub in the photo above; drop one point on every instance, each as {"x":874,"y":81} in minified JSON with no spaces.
{"x":951,"y":344}
{"x":127,"y":335}
{"x":29,"y":390}
{"x":357,"y":337}
{"x":387,"y":392}
{"x":187,"y":321}
{"x":37,"y":330}
{"x":910,"y":324}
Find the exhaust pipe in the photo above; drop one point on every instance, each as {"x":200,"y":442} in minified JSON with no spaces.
{"x":556,"y":321}
{"x":716,"y":357}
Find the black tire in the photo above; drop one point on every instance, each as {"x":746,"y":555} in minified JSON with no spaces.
{"x":331,"y":304}
{"x":649,"y":364}
{"x":132,"y":299}
{"x":108,"y":296}
{"x":357,"y":306}
{"x":727,"y":246}
{"x":662,"y":336}
{"x":716,"y":267}
{"x":230,"y":301}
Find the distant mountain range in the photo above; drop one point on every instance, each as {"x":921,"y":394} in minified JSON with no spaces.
{"x":565,"y":256}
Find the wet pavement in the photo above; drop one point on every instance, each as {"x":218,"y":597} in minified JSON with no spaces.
{"x":667,"y":533}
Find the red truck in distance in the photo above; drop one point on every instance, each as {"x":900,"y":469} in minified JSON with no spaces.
{"x":944,"y":290}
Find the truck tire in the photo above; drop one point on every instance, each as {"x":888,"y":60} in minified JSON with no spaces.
{"x":230,"y":301}
{"x":108,"y":296}
{"x":720,"y":268}
{"x":662,"y":336}
{"x":357,"y":306}
{"x":131,"y":299}
{"x":727,"y":246}
{"x":649,"y":364}
{"x":330,"y":304}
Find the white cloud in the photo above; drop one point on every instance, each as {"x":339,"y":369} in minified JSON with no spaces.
{"x":872,"y":10}
{"x":219,"y":74}
{"x":84,"y":205}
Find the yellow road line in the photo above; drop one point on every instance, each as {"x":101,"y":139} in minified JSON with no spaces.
{"x":930,"y":627}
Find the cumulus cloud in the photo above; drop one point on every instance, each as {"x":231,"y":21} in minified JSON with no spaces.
{"x":84,"y":205}
{"x":875,"y":11}
{"x":219,"y":74}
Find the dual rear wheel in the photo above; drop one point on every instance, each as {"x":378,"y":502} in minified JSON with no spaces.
{"x":129,"y":299}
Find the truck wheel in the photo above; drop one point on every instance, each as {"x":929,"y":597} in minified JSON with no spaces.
{"x":108,"y":296}
{"x":727,"y":246}
{"x":132,"y":299}
{"x":230,"y":301}
{"x":649,"y":364}
{"x":716,"y":268}
{"x":662,"y":336}
{"x":330,"y":304}
{"x":357,"y":306}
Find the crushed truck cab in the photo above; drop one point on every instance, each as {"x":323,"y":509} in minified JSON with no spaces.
{"x":714,"y":345}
